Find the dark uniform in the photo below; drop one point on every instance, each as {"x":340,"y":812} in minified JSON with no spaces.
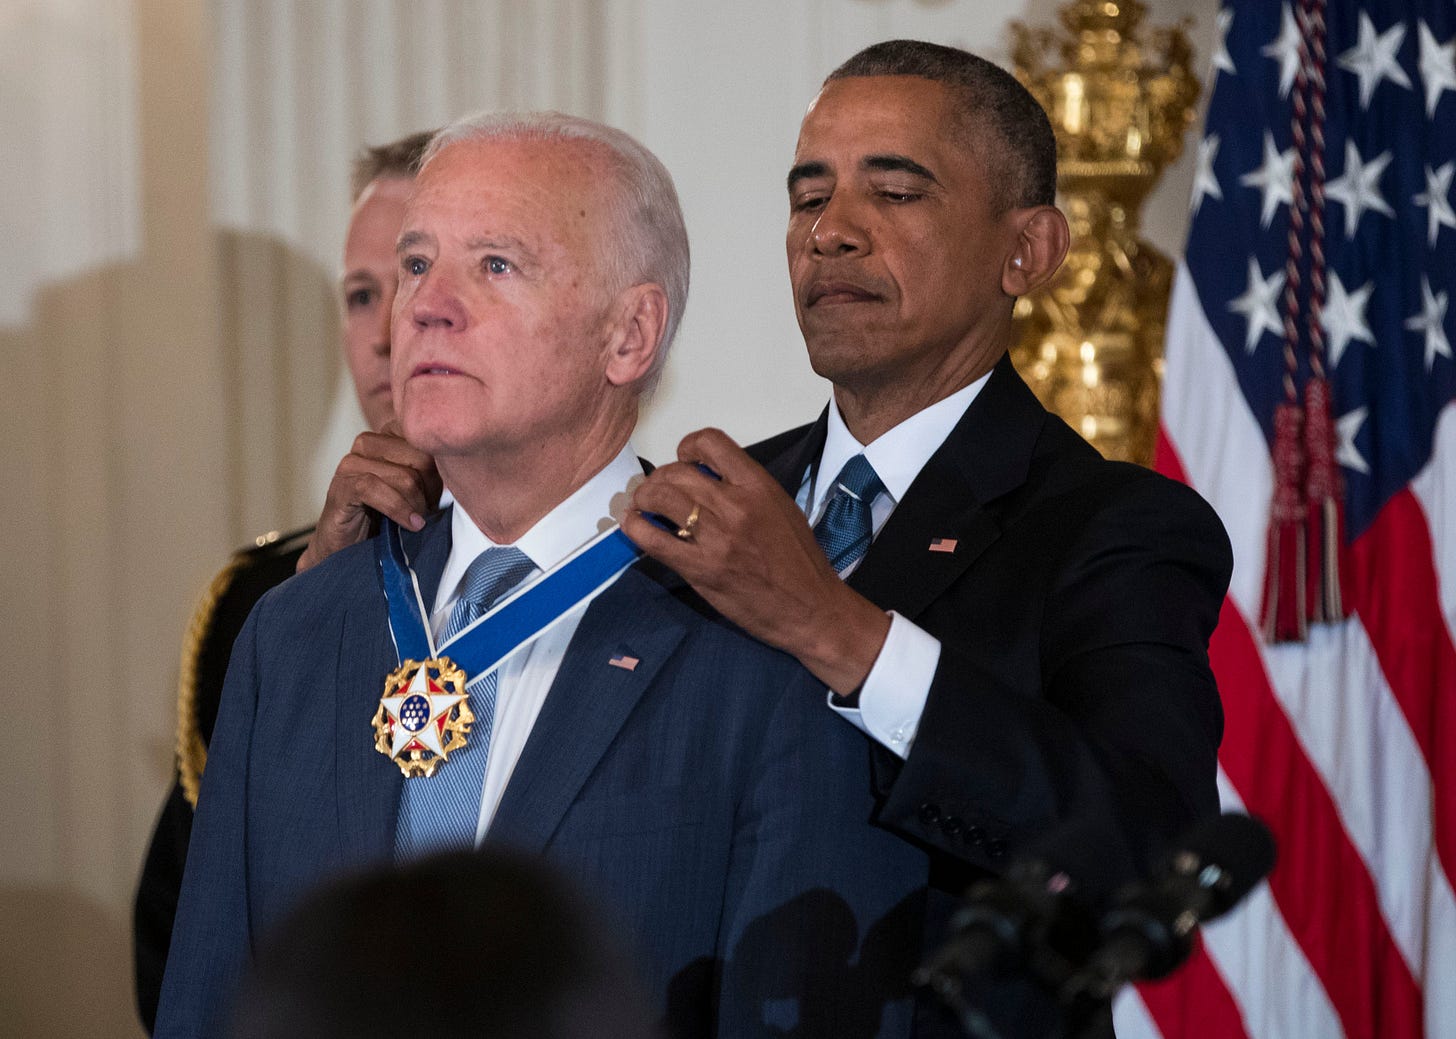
{"x":208,"y":644}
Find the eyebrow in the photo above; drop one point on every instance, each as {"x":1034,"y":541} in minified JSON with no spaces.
{"x":410,"y":239}
{"x":897,"y":164}
{"x":875,"y":163}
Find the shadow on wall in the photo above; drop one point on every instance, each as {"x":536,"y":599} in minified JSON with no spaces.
{"x":162,"y":412}
{"x":64,"y":967}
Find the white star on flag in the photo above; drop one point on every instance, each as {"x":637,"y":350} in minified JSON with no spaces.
{"x":1205,"y":182}
{"x":1357,"y":189}
{"x":1285,"y":49}
{"x":440,"y":704}
{"x":1437,"y":197}
{"x":1347,"y":427}
{"x":1275,"y":178}
{"x":1344,"y":317}
{"x":1432,"y":321}
{"x":1373,"y":58}
{"x":1222,"y":61}
{"x":1438,"y":67}
{"x":1259,"y":304}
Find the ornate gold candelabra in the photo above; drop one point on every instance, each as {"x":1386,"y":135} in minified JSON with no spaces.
{"x":1091,"y":342}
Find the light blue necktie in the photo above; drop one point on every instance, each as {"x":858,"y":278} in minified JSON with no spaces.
{"x":845,"y":530}
{"x":443,"y":811}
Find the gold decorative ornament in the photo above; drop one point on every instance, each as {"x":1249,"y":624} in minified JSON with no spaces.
{"x":423,"y":716}
{"x":1090,"y":342}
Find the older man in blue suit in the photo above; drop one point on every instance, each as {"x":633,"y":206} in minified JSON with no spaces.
{"x":681,"y":771}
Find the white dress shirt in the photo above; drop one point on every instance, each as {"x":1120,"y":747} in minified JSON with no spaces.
{"x":892,"y":698}
{"x":526,"y":676}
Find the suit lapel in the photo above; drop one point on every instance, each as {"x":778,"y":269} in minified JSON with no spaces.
{"x":987,"y":454}
{"x":368,"y":782}
{"x":586,"y":707}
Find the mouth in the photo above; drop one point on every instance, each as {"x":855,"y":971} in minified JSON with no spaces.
{"x":382,"y":388}
{"x":836,"y":293}
{"x":428,"y":368}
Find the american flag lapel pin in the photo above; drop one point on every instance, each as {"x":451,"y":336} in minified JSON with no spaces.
{"x":942,"y":544}
{"x":623,"y":661}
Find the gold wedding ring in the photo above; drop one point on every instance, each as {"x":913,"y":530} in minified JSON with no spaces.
{"x":686,"y":530}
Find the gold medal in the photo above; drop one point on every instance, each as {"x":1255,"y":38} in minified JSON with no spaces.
{"x":423,"y":716}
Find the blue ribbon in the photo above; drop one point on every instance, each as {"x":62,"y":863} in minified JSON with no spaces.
{"x":515,"y":621}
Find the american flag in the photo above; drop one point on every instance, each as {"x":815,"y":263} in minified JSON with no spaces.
{"x":1323,"y":240}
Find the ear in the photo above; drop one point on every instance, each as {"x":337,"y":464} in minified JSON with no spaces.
{"x":636,"y":335}
{"x":1042,"y":239}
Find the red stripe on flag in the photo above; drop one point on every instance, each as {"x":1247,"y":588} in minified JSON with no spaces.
{"x":1194,"y":1002}
{"x":1394,"y":590}
{"x":1321,"y":884}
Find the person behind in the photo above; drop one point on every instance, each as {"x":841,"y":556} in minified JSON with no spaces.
{"x":381,"y":182}
{"x":682,"y":772}
{"x":521,"y":955}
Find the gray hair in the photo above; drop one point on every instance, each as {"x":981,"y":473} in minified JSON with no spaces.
{"x":651,"y":240}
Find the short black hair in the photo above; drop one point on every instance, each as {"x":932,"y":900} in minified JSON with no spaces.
{"x":992,"y":101}
{"x":502,"y":944}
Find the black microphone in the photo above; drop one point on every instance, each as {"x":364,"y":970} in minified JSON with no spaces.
{"x":1038,"y":920}
{"x":1150,"y":931}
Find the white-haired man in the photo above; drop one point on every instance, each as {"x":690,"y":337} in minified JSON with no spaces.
{"x":679,"y":769}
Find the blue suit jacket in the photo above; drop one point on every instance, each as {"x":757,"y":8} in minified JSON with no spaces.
{"x":708,"y":798}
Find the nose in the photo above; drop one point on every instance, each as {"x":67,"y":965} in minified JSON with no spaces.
{"x":839,"y":229}
{"x":386,"y":317}
{"x":435,"y":304}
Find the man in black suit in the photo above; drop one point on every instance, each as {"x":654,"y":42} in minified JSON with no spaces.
{"x":1020,"y":626}
{"x":1027,"y":632}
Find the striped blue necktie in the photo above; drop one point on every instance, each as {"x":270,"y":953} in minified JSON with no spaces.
{"x":443,"y":811}
{"x":845,"y":530}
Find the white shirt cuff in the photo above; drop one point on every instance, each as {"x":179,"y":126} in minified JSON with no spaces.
{"x":893,"y":695}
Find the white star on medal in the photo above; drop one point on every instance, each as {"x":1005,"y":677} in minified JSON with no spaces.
{"x":440,"y":705}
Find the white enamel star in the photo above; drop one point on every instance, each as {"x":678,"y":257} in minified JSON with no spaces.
{"x":1205,"y":181}
{"x":1275,"y":179}
{"x":1438,"y":67}
{"x":1358,"y":188}
{"x":1285,"y":49}
{"x":1432,"y":321}
{"x":1347,"y":427}
{"x":1222,"y":61}
{"x":1344,"y":317}
{"x":1373,"y":58}
{"x":1259,"y":304}
{"x":1437,"y":197}
{"x":429,"y":733}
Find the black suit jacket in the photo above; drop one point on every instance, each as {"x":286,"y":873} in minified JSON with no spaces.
{"x":1074,"y":616}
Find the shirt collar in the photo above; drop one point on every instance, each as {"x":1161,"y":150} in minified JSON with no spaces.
{"x":899,"y":453}
{"x":588,"y":511}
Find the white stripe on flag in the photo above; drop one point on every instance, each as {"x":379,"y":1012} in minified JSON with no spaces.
{"x":1209,"y":422}
{"x":1263,"y":966}
{"x":1435,"y":489}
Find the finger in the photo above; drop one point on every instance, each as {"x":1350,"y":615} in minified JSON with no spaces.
{"x":391,"y":449}
{"x":370,"y":491}
{"x":407,"y":480}
{"x":669,"y":501}
{"x":663,"y":545}
{"x":717,"y":450}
